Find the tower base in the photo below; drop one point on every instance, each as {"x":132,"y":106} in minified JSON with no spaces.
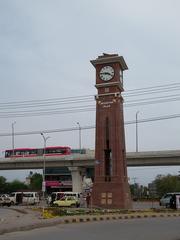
{"x":111,"y":195}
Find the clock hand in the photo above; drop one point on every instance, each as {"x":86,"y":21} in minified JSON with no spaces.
{"x":107,"y":73}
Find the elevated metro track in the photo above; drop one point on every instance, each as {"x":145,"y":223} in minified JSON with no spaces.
{"x":134,"y":159}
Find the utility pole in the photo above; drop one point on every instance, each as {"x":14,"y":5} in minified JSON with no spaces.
{"x":79,"y":136}
{"x":137,"y":131}
{"x":12,"y":125}
{"x":44,"y":165}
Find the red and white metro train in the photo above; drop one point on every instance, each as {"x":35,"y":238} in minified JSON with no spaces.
{"x":34,"y":152}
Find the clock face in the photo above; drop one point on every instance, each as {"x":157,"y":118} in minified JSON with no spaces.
{"x":106,"y":73}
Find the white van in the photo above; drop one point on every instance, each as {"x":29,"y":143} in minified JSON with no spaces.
{"x":28,"y":198}
{"x":58,"y":195}
{"x":166,"y":199}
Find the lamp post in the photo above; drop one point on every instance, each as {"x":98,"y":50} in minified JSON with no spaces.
{"x":44,"y":164}
{"x":137,"y":131}
{"x":79,"y":135}
{"x":135,"y":187}
{"x":12,"y":125}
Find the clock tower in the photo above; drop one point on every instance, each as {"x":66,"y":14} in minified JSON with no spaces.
{"x":110,"y":189}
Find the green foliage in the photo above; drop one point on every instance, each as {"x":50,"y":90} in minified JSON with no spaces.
{"x":168,"y":183}
{"x":138,"y":191}
{"x":16,"y":185}
{"x":3,"y":184}
{"x":36,"y":182}
{"x":132,"y":189}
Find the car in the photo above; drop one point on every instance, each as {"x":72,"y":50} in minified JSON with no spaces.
{"x":166,"y":199}
{"x":58,"y":195}
{"x":68,"y":201}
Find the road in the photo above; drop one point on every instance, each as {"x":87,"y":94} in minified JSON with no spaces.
{"x":4,"y":212}
{"x":134,"y":229}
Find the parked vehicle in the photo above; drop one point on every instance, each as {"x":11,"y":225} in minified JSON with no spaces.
{"x":5,"y":200}
{"x":28,"y":198}
{"x":166,"y":199}
{"x":4,"y":195}
{"x":58,"y":195}
{"x":67,"y":202}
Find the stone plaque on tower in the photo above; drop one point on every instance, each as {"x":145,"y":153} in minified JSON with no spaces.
{"x":111,"y":188}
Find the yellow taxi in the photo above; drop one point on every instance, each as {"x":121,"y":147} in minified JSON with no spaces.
{"x":69,"y":201}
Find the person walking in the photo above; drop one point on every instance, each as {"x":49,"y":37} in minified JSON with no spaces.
{"x":88,"y":200}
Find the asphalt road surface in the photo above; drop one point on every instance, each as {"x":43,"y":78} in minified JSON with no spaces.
{"x":5,"y":211}
{"x":134,"y":229}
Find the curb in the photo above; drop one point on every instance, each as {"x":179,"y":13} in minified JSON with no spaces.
{"x":116,"y":217}
{"x":83,"y":219}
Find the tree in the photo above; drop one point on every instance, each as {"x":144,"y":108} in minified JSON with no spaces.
{"x":167,"y":183}
{"x":3,"y":184}
{"x":36,"y":181}
{"x":138,"y":191}
{"x":16,"y":186}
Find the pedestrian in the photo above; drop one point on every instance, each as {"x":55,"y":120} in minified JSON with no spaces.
{"x":82,"y":201}
{"x":88,"y":199}
{"x":173,"y":201}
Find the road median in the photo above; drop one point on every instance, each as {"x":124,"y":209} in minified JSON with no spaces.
{"x":33,"y":218}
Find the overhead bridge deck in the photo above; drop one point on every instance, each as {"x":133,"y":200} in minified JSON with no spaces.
{"x":134,"y":159}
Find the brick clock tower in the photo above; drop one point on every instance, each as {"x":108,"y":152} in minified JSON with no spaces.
{"x":110,"y":189}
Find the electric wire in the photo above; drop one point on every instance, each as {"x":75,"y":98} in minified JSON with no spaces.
{"x":171,"y":87}
{"x":45,"y":104}
{"x":77,"y":109}
{"x":135,"y":102}
{"x":79,"y":101}
{"x":40,"y":107}
{"x":145,"y":120}
{"x":151,"y":102}
{"x":157,"y":91}
{"x":154,"y":87}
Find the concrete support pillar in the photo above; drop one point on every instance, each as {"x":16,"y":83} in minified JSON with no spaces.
{"x":76,"y":179}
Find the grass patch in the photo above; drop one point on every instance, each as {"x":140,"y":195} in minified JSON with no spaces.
{"x":58,"y":211}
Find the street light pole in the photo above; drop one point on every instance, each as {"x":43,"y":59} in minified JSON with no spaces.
{"x":137,"y":131}
{"x":13,"y":136}
{"x":44,"y":164}
{"x":79,"y":135}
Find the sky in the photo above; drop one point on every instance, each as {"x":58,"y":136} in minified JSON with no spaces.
{"x":45,"y":52}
